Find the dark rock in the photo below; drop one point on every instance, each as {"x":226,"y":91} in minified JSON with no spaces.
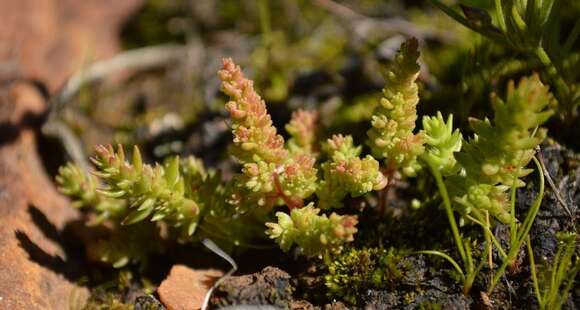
{"x":419,"y":288}
{"x":563,"y":166}
{"x":148,"y":302}
{"x":446,"y":297}
{"x":271,"y":286}
{"x":381,"y":299}
{"x":451,"y":301}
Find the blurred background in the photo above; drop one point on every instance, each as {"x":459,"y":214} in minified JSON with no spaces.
{"x":144,"y":71}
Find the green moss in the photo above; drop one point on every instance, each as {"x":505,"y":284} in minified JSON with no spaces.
{"x":429,"y":305}
{"x":409,"y":297}
{"x":358,"y":270}
{"x":111,"y":295}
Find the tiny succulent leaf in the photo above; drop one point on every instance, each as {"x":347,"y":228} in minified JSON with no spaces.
{"x":303,"y":131}
{"x":78,"y":185}
{"x":485,"y":197}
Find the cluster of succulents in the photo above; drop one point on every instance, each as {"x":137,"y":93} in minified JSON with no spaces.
{"x":284,"y":190}
{"x":184,"y":197}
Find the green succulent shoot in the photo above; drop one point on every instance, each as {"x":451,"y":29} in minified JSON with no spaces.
{"x":499,"y":152}
{"x":314,"y":234}
{"x":495,"y":158}
{"x":270,"y":174}
{"x":303,"y":127}
{"x":155,"y":192}
{"x":81,"y":187}
{"x":479,"y":174}
{"x":345,"y":173}
{"x":277,"y":174}
{"x":75,"y":183}
{"x":441,"y":143}
{"x":391,"y":136}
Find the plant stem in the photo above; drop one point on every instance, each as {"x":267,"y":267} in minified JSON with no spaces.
{"x":513,"y":223}
{"x":574,"y":33}
{"x":531,"y":216}
{"x":265,"y":27}
{"x":488,"y":240}
{"x":562,"y":89}
{"x":462,"y":20}
{"x":446,"y":257}
{"x":533,"y":271}
{"x":469,"y":263}
{"x":564,"y":293}
{"x":500,"y":16}
{"x":472,"y":275}
{"x":523,"y":233}
{"x":488,"y":232}
{"x":447,"y":204}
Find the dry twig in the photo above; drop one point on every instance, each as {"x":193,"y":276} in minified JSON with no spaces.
{"x":553,"y":185}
